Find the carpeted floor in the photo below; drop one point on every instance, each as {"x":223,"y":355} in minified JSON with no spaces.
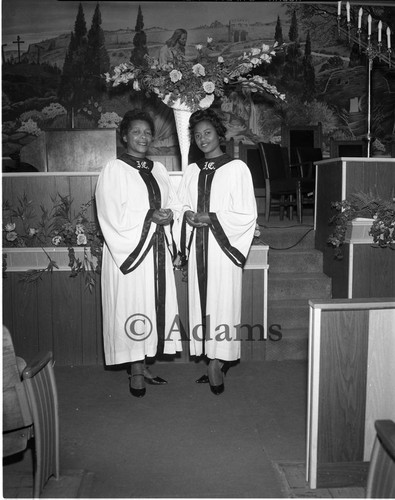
{"x":179,"y":441}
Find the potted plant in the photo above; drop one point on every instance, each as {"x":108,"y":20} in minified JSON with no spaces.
{"x":372,"y":216}
{"x":34,"y":241}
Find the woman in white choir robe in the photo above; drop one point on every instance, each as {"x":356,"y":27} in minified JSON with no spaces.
{"x":216,"y":234}
{"x":136,"y":205}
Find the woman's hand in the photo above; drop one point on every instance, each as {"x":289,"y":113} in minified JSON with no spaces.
{"x":162,"y":217}
{"x":197,"y":219}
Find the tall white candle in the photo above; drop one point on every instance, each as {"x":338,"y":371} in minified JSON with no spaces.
{"x":360,"y":12}
{"x":348,"y":11}
{"x":388,"y":37}
{"x":369,"y":25}
{"x":339,"y":8}
{"x":380,"y":27}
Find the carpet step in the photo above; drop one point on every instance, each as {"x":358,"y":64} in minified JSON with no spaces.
{"x":296,"y":261}
{"x":299,"y":286}
{"x":288,"y":313}
{"x":293,"y":345}
{"x":284,"y":238}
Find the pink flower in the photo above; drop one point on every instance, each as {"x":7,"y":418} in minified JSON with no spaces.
{"x":11,"y":236}
{"x":209,"y":87}
{"x":81,"y":239}
{"x":56,"y":240}
{"x":175,"y":75}
{"x":198,"y":70}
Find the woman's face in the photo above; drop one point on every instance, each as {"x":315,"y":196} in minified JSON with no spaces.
{"x":138,"y":138}
{"x":207,"y":139}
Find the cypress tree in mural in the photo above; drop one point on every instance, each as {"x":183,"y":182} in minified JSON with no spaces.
{"x":293,"y":69}
{"x":140,"y":42}
{"x":73,"y":89}
{"x":98,"y":60}
{"x":278,"y":34}
{"x":275,"y":67}
{"x":308,"y":71}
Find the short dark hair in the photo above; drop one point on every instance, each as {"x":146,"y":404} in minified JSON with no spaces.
{"x":208,"y":115}
{"x":132,"y":116}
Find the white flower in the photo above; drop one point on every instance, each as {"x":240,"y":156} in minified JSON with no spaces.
{"x":209,"y":87}
{"x":175,"y":75}
{"x":266,"y":58}
{"x":136,"y":85}
{"x":11,"y":236}
{"x":56,"y":240}
{"x":198,"y":70}
{"x":209,"y":39}
{"x":220,"y":59}
{"x":255,"y":61}
{"x":265,"y":48}
{"x":32,"y":231}
{"x":79,"y":229}
{"x":199,"y":46}
{"x":81,"y":239}
{"x":207,"y":101}
{"x":255,"y":51}
{"x":10,"y":226}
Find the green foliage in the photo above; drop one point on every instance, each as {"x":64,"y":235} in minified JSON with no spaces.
{"x":364,"y":205}
{"x":59,"y":227}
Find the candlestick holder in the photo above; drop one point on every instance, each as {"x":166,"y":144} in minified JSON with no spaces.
{"x":372,"y":51}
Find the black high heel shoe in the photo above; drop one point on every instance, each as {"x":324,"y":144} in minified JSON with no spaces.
{"x":137,"y":393}
{"x":150,"y":379}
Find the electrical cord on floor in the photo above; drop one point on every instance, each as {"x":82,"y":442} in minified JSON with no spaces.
{"x":288,"y":227}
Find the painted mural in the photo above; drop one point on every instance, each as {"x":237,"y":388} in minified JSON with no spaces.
{"x":54,"y":56}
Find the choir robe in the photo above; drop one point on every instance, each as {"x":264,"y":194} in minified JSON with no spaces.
{"x":233,"y":213}
{"x":128,"y":296}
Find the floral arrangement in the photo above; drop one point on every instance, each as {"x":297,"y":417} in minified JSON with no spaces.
{"x":58,"y":227}
{"x":382,"y":212}
{"x":195,"y":84}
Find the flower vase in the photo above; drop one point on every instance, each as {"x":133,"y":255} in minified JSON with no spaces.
{"x":181,"y":117}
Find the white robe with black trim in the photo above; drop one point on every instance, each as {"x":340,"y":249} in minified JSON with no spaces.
{"x":233,"y":214}
{"x":128,"y":300}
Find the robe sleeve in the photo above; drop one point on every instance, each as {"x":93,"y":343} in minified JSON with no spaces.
{"x":126,"y":224}
{"x":233,"y":227}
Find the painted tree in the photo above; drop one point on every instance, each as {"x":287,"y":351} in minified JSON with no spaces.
{"x":293,"y":68}
{"x":278,"y":34}
{"x":72,"y":89}
{"x":308,"y":71}
{"x":98,"y":60}
{"x":139,"y":41}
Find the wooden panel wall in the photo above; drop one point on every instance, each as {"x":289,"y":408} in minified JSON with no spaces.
{"x":351,"y":384}
{"x":373,"y":272}
{"x":58,"y":313}
{"x":344,"y":343}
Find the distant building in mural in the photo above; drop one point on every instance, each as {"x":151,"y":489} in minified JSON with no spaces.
{"x":238,"y":30}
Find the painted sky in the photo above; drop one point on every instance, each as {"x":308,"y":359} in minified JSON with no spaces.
{"x":36,"y":20}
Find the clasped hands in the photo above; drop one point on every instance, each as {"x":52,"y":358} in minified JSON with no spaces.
{"x":197,"y":219}
{"x":162,"y":216}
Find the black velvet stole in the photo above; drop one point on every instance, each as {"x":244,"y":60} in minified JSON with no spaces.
{"x":206,"y":175}
{"x":157,"y":242}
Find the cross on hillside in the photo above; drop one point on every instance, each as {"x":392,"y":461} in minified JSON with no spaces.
{"x":19,"y":41}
